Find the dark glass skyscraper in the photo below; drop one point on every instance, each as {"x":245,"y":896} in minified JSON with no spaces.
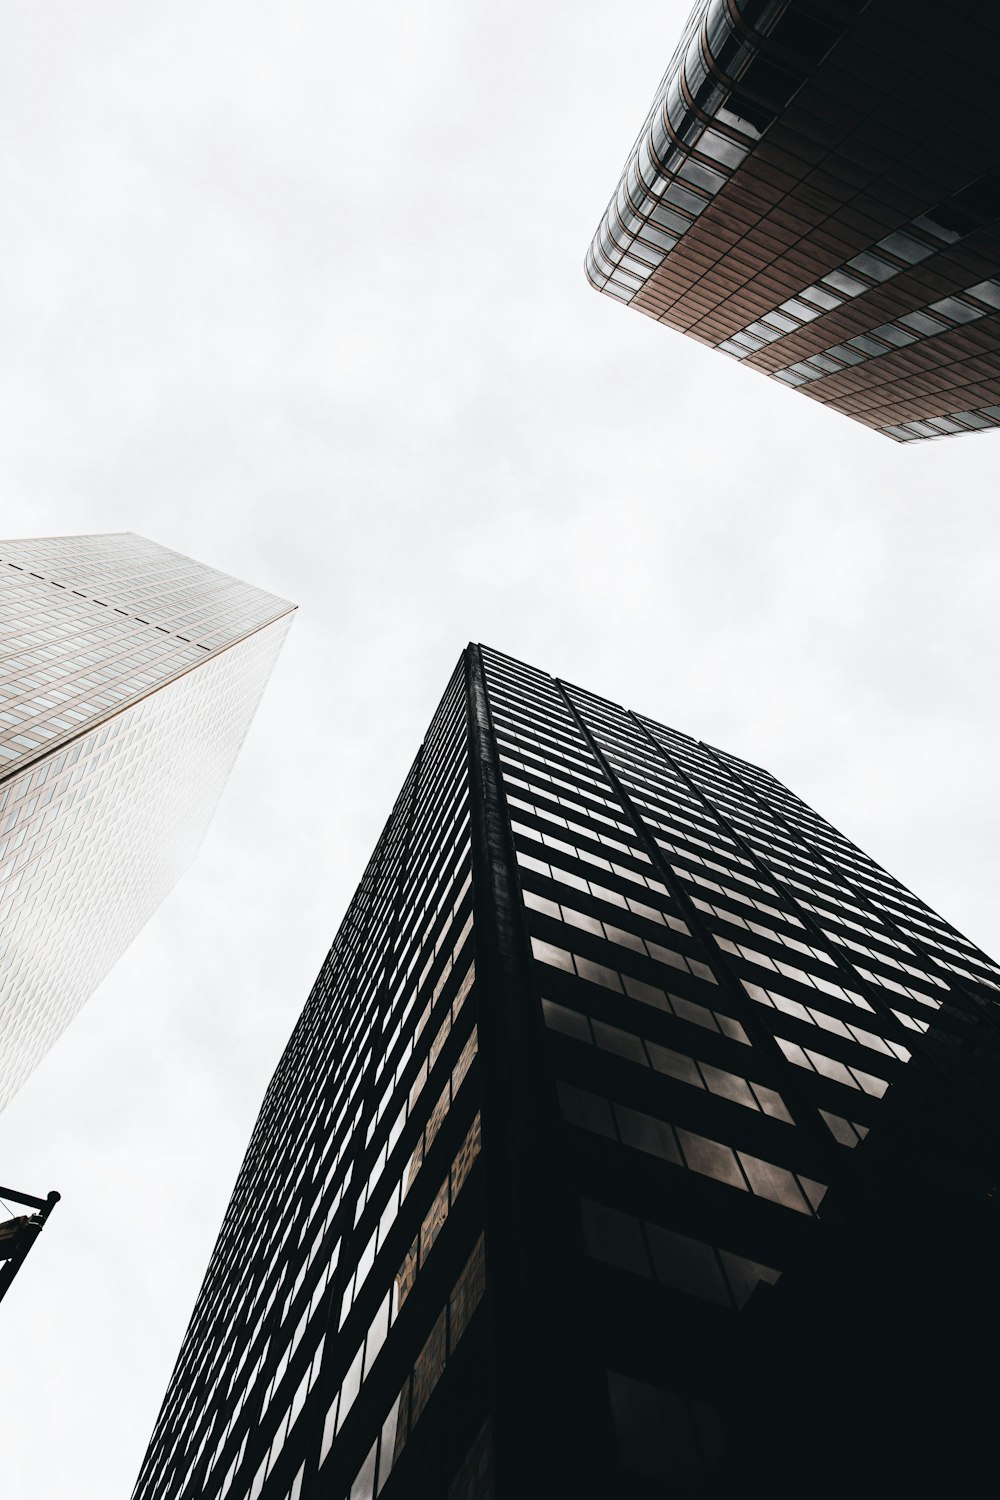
{"x":816,"y":191}
{"x":638,"y":1138}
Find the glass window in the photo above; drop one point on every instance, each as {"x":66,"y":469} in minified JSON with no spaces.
{"x":728,"y":1086}
{"x":905,"y":247}
{"x":800,"y":310}
{"x":654,"y":1432}
{"x":597,"y":974}
{"x":957,"y":310}
{"x":686,"y":1264}
{"x":466,"y":1294}
{"x":775,"y":1183}
{"x":669,"y":219}
{"x":822,"y":297}
{"x":674,"y":1064}
{"x":614,"y":1237}
{"x":667,"y":956}
{"x":721,"y":148}
{"x":869,"y":346}
{"x":621,"y":1043}
{"x":542,"y":904}
{"x":793,"y":1052}
{"x":363,"y":1487}
{"x":891,"y":334}
{"x":825,"y":363}
{"x":589,"y":1111}
{"x":845,"y":354}
{"x":428,"y":1366}
{"x":569,"y":1022}
{"x":405,"y":1277}
{"x":350,"y":1387}
{"x":437,"y":1117}
{"x":413,"y":1165}
{"x":873,"y":266}
{"x":391,"y":1442}
{"x":986,"y":291}
{"x":972,"y":419}
{"x":547,"y":953}
{"x":583,"y":921}
{"x":732,"y":1029}
{"x":434,"y":1221}
{"x":259,"y":1477}
{"x":814,"y":1191}
{"x":625,"y":939}
{"x":465,"y":1057}
{"x":922,"y":324}
{"x":367,"y":1257}
{"x":689,"y":1010}
{"x":748,"y":341}
{"x":646,"y":1133}
{"x":647,"y":993}
{"x":683,"y":198}
{"x":657,"y":236}
{"x":772,"y":1103}
{"x":933,"y":223}
{"x":462,"y":1165}
{"x":701,"y":176}
{"x":377,"y":1334}
{"x":870,"y":1084}
{"x":745,"y":1275}
{"x":710,"y":1158}
{"x":830,"y":1068}
{"x":849,"y":285}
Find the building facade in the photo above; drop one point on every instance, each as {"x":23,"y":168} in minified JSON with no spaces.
{"x":129,"y":676}
{"x":637,"y":1138}
{"x":816,"y":192}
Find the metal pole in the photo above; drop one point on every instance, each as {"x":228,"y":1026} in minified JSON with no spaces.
{"x":27,"y":1235}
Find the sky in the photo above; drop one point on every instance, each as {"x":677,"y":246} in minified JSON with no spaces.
{"x":297,"y":290}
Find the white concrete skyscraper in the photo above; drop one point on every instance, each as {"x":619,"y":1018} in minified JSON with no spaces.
{"x":129,"y":676}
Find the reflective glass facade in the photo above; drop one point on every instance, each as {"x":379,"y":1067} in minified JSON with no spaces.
{"x":636,"y":1125}
{"x":129,"y":676}
{"x":815,"y":192}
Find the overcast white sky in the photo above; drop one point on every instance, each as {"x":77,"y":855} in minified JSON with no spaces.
{"x":297,"y":289}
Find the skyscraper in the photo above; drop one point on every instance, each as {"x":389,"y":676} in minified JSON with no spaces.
{"x":637,"y":1138}
{"x":816,"y":192}
{"x":128,"y":679}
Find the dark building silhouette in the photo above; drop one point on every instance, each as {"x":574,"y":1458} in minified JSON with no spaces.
{"x":638,"y":1138}
{"x":815,"y":191}
{"x":18,"y":1232}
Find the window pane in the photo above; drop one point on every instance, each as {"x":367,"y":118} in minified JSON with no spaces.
{"x":363,"y":1487}
{"x":614,"y":1237}
{"x":393,"y":1431}
{"x":590,"y":1111}
{"x":772,"y":1103}
{"x":710,"y":1158}
{"x":428,"y":1367}
{"x":689,"y":1265}
{"x":746,"y":1275}
{"x":654,"y":1431}
{"x":674,"y":1064}
{"x":728,"y":1086}
{"x":622,"y":1043}
{"x":775,"y":1183}
{"x":645,"y":1133}
{"x":569,"y":1022}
